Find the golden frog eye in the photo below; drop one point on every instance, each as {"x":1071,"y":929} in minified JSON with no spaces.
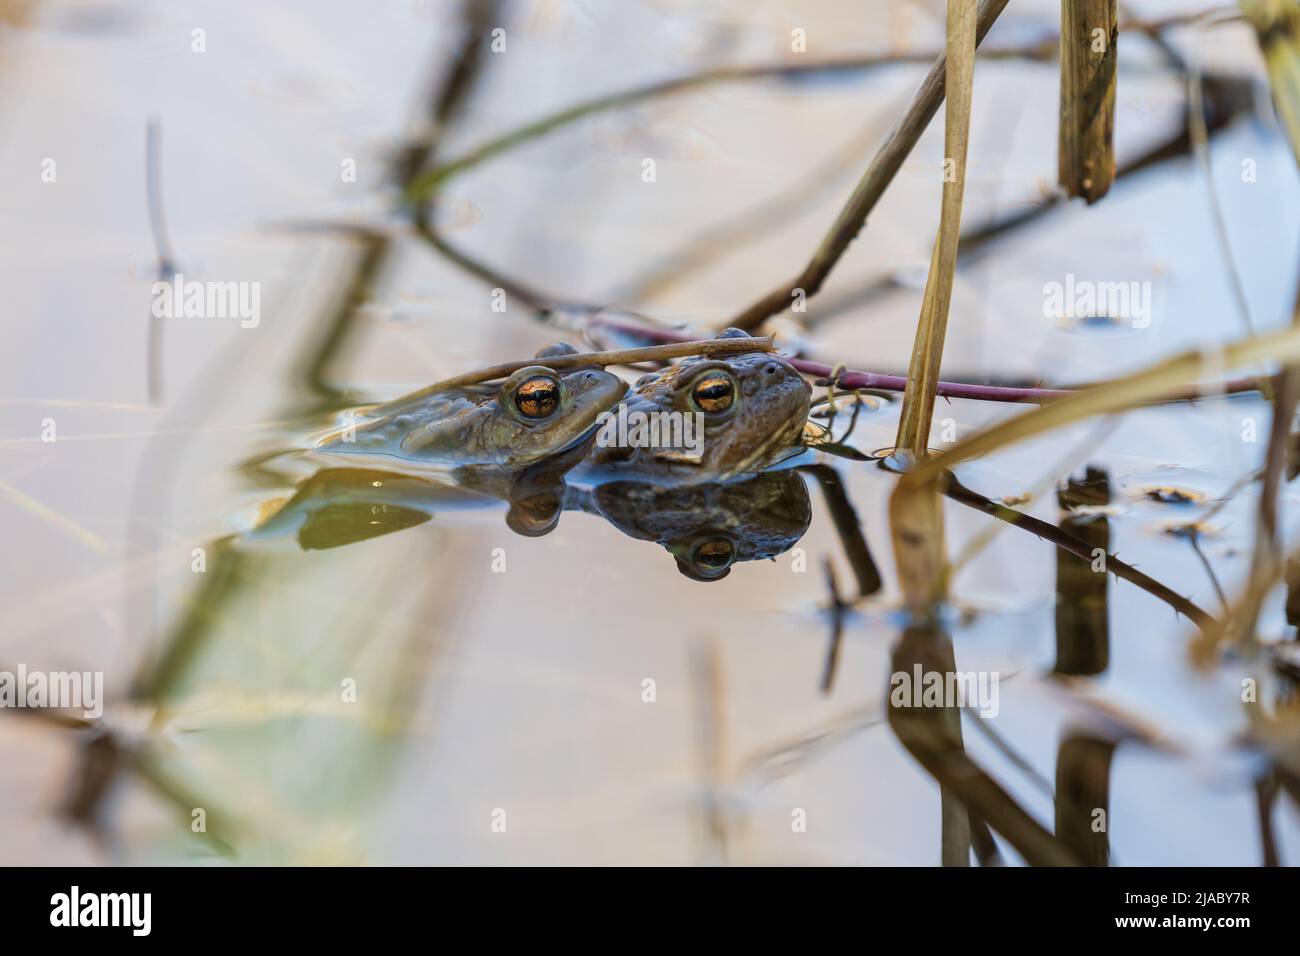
{"x":714,"y":392}
{"x":713,"y":554}
{"x":538,"y":397}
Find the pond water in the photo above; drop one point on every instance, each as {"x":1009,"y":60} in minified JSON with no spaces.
{"x":406,"y":678}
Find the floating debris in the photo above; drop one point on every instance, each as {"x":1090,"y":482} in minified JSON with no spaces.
{"x":1171,"y":495}
{"x":1189,"y":529}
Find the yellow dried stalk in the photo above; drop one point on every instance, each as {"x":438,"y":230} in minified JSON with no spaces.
{"x":932,"y":327}
{"x":1086,"y":159}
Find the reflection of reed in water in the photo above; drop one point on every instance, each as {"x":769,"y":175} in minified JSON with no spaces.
{"x":973,"y":804}
{"x":1082,"y":608}
{"x":1083,"y":650}
{"x":1293,"y":592}
{"x":1083,"y":797}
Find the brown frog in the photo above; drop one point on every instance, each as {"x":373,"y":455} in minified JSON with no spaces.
{"x":704,"y":420}
{"x":533,"y":414}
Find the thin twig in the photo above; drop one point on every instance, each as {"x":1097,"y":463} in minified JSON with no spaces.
{"x":1068,"y":542}
{"x":1232,"y":98}
{"x":1200,"y":139}
{"x":153,"y":184}
{"x":1095,"y":437}
{"x":1194,"y":537}
{"x":710,"y":734}
{"x":836,"y":607}
{"x":872,"y":186}
{"x":376,"y":254}
{"x":1266,"y":788}
{"x":751,"y":225}
{"x":1017,"y":760}
{"x":848,"y":527}
{"x":1266,"y":566}
{"x":163,"y":248}
{"x":539,"y":302}
{"x":434,"y":179}
{"x":438,"y":176}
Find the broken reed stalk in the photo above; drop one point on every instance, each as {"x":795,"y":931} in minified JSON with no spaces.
{"x":915,"y":514}
{"x":654,"y":353}
{"x":888,"y":160}
{"x":1277,"y":26}
{"x":1089,"y":33}
{"x":932,"y":326}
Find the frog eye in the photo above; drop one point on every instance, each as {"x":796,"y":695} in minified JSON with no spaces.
{"x":713,"y":555}
{"x":538,"y":397}
{"x":713,"y":392}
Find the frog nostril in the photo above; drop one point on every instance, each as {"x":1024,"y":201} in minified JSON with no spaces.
{"x":772,"y":368}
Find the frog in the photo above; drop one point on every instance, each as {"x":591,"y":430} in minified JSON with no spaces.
{"x":752,"y":407}
{"x":519,"y":441}
{"x":534,"y":414}
{"x":447,"y":449}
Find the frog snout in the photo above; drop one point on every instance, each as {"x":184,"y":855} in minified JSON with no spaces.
{"x":773,"y":370}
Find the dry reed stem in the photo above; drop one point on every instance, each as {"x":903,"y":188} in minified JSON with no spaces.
{"x":932,"y":326}
{"x":915,"y":515}
{"x":1277,"y":25}
{"x":1089,"y":33}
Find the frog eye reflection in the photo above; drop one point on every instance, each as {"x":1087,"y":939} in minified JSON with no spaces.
{"x":714,"y":392}
{"x":538,"y":397}
{"x":713,"y":555}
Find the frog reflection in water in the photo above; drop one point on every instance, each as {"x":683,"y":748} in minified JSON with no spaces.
{"x":707,"y":527}
{"x":518,"y":442}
